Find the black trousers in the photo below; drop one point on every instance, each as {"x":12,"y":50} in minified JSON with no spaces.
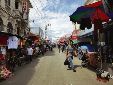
{"x":30,"y":58}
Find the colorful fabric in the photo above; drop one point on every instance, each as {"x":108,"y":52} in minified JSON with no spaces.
{"x":94,"y":11}
{"x":81,"y":12}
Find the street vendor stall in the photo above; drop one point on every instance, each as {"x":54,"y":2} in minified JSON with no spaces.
{"x":92,"y":14}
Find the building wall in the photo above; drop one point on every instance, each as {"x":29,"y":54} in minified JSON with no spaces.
{"x":37,"y":31}
{"x":14,"y":16}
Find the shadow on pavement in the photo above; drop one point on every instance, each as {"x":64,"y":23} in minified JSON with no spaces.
{"x":24,"y":74}
{"x":50,"y":53}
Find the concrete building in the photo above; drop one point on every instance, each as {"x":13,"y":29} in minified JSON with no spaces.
{"x":11,"y":16}
{"x":38,"y":31}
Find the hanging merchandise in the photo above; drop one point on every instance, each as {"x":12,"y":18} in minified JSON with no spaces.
{"x":4,"y":73}
{"x":3,"y":50}
{"x":12,"y":42}
{"x":85,"y":23}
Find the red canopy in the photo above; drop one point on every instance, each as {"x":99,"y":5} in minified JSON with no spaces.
{"x":99,"y":15}
{"x":3,"y":40}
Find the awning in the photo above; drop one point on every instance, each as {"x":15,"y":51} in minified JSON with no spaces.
{"x":110,"y":15}
{"x":75,"y":41}
{"x":3,"y":40}
{"x":9,"y":34}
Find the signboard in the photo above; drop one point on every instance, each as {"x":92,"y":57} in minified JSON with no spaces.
{"x":74,"y":37}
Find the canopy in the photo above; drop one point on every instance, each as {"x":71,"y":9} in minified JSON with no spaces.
{"x":110,"y":15}
{"x":75,"y":41}
{"x":81,"y":12}
{"x":95,"y":11}
{"x":98,"y":14}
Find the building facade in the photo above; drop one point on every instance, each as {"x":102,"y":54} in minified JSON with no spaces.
{"x":38,"y":31}
{"x":12,"y":17}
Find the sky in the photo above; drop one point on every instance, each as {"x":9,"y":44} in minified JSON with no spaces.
{"x":53,"y":12}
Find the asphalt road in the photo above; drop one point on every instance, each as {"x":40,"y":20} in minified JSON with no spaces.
{"x":49,"y":70}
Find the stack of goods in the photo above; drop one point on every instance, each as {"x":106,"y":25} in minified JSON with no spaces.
{"x":4,"y":73}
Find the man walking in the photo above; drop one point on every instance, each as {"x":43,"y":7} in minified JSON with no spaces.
{"x":29,"y":53}
{"x":59,"y":46}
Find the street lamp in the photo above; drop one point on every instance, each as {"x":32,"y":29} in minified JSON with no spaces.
{"x":46,"y":28}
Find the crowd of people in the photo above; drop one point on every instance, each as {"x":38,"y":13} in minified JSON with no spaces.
{"x":26,"y":54}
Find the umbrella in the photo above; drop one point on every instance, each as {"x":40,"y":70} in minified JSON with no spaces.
{"x":98,"y":14}
{"x":95,"y":11}
{"x":110,"y":15}
{"x":81,"y":12}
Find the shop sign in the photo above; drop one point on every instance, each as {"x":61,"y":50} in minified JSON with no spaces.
{"x":74,"y":37}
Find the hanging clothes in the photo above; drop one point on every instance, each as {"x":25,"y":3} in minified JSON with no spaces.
{"x":85,"y":23}
{"x":12,"y":42}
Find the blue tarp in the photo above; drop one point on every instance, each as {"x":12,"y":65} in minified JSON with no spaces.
{"x":89,"y":47}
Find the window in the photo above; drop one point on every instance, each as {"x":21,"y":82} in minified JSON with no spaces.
{"x":24,"y":7}
{"x":16,"y":4}
{"x":7,"y":2}
{"x":1,"y":24}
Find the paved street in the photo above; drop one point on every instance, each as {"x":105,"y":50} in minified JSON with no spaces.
{"x":49,"y":70}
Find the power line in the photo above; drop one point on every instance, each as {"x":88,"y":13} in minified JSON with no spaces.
{"x":39,"y":11}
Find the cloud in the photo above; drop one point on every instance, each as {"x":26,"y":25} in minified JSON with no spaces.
{"x":54,"y":12}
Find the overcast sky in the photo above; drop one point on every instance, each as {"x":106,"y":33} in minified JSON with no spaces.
{"x":54,"y":12}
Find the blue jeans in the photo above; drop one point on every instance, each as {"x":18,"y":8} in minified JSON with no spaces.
{"x":71,"y":62}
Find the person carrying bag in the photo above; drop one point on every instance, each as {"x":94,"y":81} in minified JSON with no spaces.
{"x":69,"y":56}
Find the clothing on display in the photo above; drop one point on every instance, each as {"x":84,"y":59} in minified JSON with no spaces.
{"x":13,"y":42}
{"x":3,"y":50}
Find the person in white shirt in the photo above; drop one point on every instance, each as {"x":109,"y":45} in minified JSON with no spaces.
{"x":29,"y":53}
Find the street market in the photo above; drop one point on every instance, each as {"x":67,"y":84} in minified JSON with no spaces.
{"x":56,"y":42}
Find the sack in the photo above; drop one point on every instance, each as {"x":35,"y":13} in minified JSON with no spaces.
{"x":66,"y":62}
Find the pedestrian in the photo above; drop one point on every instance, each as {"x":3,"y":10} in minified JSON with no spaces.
{"x":59,"y":47}
{"x":69,"y":56}
{"x":42,"y":49}
{"x":80,"y":53}
{"x":63,"y":47}
{"x":29,"y":53}
{"x":45,"y":47}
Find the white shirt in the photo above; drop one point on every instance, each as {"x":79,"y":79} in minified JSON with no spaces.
{"x":12,"y":42}
{"x":44,"y":46}
{"x":37,"y":49}
{"x":3,"y":51}
{"x":30,"y":51}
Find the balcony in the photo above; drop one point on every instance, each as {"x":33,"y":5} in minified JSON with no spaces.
{"x":17,"y":14}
